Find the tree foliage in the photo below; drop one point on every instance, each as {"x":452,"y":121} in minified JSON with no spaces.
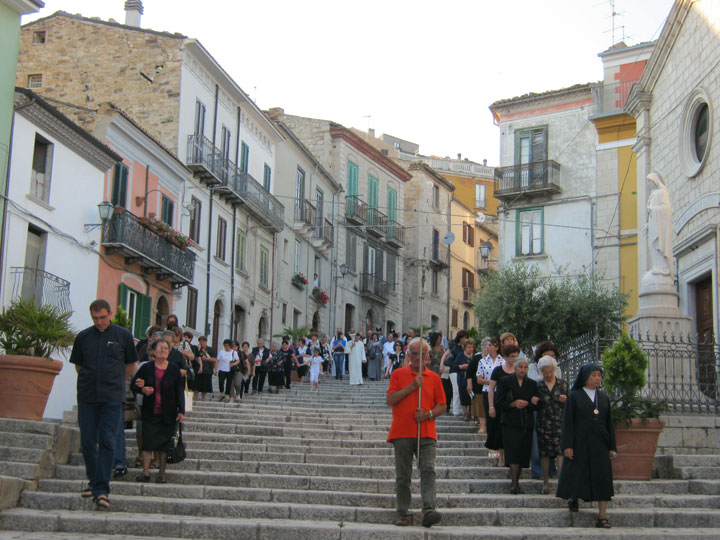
{"x":121,"y":318}
{"x":560,"y":308}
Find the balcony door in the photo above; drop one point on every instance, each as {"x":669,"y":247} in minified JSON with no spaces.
{"x":35,"y":265}
{"x":530,"y":148}
{"x":319,"y":201}
{"x":372,"y":200}
{"x":299,"y":194}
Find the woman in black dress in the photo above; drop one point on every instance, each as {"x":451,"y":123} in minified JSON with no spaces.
{"x":553,"y":394}
{"x":588,"y":443}
{"x":203,"y":365}
{"x":494,"y":434}
{"x":517,"y":396}
{"x":163,"y":390}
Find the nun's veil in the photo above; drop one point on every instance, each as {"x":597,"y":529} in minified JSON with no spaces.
{"x":583,"y":375}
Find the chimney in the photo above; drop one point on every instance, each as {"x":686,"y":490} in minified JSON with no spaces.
{"x":484,"y":162}
{"x":371,"y":132}
{"x":459,"y":155}
{"x":133,"y":11}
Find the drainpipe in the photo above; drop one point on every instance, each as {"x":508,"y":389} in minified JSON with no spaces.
{"x":272,"y":288}
{"x":147,"y":185}
{"x":207,"y":275}
{"x":232,"y":276}
{"x":449,"y":268}
{"x":333,"y":265}
{"x":215,"y":113}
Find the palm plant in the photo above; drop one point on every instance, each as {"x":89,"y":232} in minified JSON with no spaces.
{"x":29,"y":329}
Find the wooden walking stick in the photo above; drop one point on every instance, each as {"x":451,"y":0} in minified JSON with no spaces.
{"x":422,"y":360}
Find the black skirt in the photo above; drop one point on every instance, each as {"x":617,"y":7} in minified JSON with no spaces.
{"x":156,"y":435}
{"x":276,"y":378}
{"x":517,"y":443}
{"x":494,"y":434}
{"x":302,"y":370}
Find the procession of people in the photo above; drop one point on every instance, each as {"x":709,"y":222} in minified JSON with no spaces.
{"x":524,"y":407}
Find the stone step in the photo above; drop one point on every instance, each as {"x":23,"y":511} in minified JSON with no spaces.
{"x":11,"y":425}
{"x":500,"y":497}
{"x":380,"y":485}
{"x":132,"y":515}
{"x":26,"y":440}
{"x":26,"y":471}
{"x":692,"y":473}
{"x":20,"y":455}
{"x":696,"y":460}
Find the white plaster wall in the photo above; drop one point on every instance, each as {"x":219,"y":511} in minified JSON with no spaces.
{"x":76,"y":189}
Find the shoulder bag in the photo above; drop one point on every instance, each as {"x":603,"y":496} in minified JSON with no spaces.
{"x":176,"y":452}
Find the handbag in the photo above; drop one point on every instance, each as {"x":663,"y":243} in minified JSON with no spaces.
{"x":176,"y":452}
{"x":131,"y":411}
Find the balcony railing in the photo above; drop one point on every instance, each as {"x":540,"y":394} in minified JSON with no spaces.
{"x":125,"y":234}
{"x":356,"y":209}
{"x":324,"y":232}
{"x":395,"y":233}
{"x":42,"y":287}
{"x":305,"y":212}
{"x":266,"y":207}
{"x":611,"y":97}
{"x":458,"y":165}
{"x":440,"y":254}
{"x":469,"y":295}
{"x":203,"y":158}
{"x":528,"y":178}
{"x":377,"y":221}
{"x":372,"y":285}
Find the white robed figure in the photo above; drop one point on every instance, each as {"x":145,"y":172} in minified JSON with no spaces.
{"x":659,"y":226}
{"x":357,"y":359}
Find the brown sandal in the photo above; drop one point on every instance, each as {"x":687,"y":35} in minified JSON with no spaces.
{"x":102,"y":502}
{"x":603,"y":523}
{"x":402,"y":522}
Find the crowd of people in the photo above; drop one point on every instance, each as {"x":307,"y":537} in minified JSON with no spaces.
{"x":531,"y":417}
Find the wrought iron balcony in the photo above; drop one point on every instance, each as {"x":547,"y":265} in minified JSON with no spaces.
{"x":528,"y":179}
{"x":203,"y":159}
{"x":469,"y":295}
{"x":124,"y":234}
{"x":395,"y":233}
{"x":251,"y":193}
{"x":610,"y":98}
{"x":374,"y":287}
{"x":305,"y":215}
{"x":44,"y":288}
{"x":377,"y":222}
{"x":356,"y":210}
{"x":323,"y":234}
{"x":440,"y":254}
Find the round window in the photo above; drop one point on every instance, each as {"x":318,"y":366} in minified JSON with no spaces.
{"x":696,"y":134}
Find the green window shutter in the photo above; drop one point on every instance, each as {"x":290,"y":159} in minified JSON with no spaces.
{"x":352,"y":189}
{"x":244,"y":157}
{"x":122,"y":297}
{"x":142,"y":317}
{"x":392,"y":204}
{"x":267,"y":174}
{"x":118,"y":195}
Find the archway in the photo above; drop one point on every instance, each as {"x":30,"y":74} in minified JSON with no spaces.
{"x":239,"y":323}
{"x":262,"y":328}
{"x":369,"y":322}
{"x":217,"y":317}
{"x":349,"y":316}
{"x":466,"y":321}
{"x":390,"y":327}
{"x":162,"y":310}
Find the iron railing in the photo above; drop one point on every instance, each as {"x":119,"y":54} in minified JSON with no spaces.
{"x":356,"y":208}
{"x":440,"y":254}
{"x":374,"y":286}
{"x":265,"y":206}
{"x":42,"y":287}
{"x":527,"y":177}
{"x":377,"y":221}
{"x":202,"y":156}
{"x":324,"y":231}
{"x":682,"y":371}
{"x":468,"y":295}
{"x":395,"y":232}
{"x":305,"y":212}
{"x":147,"y":248}
{"x":611,"y":97}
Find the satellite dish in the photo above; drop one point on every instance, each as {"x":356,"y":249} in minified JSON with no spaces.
{"x":448,"y":238}
{"x":480,"y":218}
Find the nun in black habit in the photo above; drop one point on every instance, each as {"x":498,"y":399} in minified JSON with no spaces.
{"x":588,"y":443}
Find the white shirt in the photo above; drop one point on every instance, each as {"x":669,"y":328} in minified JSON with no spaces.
{"x":486,"y":366}
{"x":388,"y":348}
{"x":590,"y":393}
{"x":224,"y":358}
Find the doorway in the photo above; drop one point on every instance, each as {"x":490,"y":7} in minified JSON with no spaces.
{"x":349,"y":316}
{"x":316,"y":322}
{"x":239,"y":323}
{"x":217,"y":317}
{"x":707,"y":371}
{"x":162,"y":310}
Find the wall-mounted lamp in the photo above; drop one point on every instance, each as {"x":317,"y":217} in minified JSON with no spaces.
{"x":343,"y":269}
{"x":485,"y":249}
{"x":105,"y":210}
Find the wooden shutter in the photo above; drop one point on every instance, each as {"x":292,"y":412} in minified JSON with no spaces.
{"x":122,"y":296}
{"x":142,"y":315}
{"x":352,"y":179}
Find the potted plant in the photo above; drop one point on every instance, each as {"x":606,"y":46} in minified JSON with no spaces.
{"x":29,"y":335}
{"x":637,"y":419}
{"x":299,"y":280}
{"x":320,"y":296}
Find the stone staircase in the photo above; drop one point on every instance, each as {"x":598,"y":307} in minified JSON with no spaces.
{"x":301,"y":463}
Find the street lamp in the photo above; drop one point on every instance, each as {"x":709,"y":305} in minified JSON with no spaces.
{"x":485,"y":249}
{"x":105,"y":210}
{"x":344,"y":269}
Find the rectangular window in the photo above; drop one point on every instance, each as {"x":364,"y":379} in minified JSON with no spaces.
{"x":299,"y":193}
{"x":436,"y":198}
{"x":195,"y":215}
{"x":435,"y":280}
{"x":531,"y":147}
{"x":225,"y":137}
{"x":296,"y":319}
{"x":468,"y":234}
{"x":392,"y":205}
{"x":351,"y":252}
{"x":297,"y":266}
{"x":221,"y":237}
{"x":435,"y":245}
{"x":34,"y":81}
{"x":372,"y":199}
{"x":286,"y":249}
{"x":167,"y":210}
{"x":390,"y":271}
{"x":264,"y":266}
{"x":267,"y":177}
{"x":41,"y":168}
{"x":191,"y":313}
{"x":480,"y":195}
{"x":284,"y":313}
{"x":370,"y":262}
{"x":199,"y":118}
{"x":39,"y":37}
{"x":316,"y":273}
{"x":352,"y":179}
{"x":529,"y":232}
{"x":240,"y":250}
{"x":118,"y":194}
{"x":138,"y":307}
{"x":454,"y":318}
{"x":244,"y":157}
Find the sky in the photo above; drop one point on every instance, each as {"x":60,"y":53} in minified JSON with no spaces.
{"x":422,"y":70}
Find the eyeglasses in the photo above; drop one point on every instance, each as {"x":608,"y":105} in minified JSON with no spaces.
{"x":415,"y":353}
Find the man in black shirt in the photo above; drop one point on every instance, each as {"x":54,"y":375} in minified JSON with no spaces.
{"x":104,"y":356}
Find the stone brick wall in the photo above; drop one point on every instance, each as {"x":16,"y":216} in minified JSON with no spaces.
{"x":87,"y":62}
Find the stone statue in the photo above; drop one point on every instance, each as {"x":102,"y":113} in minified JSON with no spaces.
{"x":659,"y":226}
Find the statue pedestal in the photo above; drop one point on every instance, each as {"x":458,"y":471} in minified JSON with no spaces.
{"x":658,"y":312}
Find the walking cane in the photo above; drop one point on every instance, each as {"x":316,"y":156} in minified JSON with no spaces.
{"x":422,"y":359}
{"x":419,"y":405}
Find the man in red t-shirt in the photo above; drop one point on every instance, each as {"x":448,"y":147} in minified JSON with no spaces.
{"x":402,"y":396}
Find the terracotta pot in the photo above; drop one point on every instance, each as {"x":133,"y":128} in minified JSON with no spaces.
{"x":636,"y":447}
{"x":26,"y":382}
